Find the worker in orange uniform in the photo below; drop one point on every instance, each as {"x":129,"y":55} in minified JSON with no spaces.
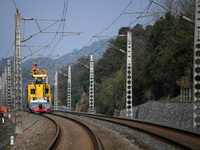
{"x":5,"y":110}
{"x":2,"y":111}
{"x":34,"y":67}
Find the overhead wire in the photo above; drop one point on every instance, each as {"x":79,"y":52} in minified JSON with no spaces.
{"x":15,"y":4}
{"x":64,"y":19}
{"x":116,"y":18}
{"x":109,"y":25}
{"x":105,"y":30}
{"x":140,"y":15}
{"x":64,"y":14}
{"x":10,"y":49}
{"x":14,"y":41}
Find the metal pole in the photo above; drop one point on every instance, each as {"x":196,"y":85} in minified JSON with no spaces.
{"x":69,"y":89}
{"x":1,"y":90}
{"x":129,"y":76}
{"x":91,"y":88}
{"x":56,"y":92}
{"x":18,"y":76}
{"x":5,"y":86}
{"x":196,"y":72}
{"x":13,"y":90}
{"x":9,"y":87}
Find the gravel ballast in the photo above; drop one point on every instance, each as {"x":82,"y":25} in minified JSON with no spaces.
{"x":38,"y":133}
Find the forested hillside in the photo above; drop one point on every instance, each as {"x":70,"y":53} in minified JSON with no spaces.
{"x":162,"y":65}
{"x":169,"y":63}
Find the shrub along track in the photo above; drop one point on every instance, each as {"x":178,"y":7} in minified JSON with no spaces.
{"x":183,"y":139}
{"x":74,"y":135}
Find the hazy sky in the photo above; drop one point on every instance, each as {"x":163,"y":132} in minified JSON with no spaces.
{"x":88,"y":16}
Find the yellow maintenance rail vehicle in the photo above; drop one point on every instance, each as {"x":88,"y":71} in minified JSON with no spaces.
{"x":39,"y":96}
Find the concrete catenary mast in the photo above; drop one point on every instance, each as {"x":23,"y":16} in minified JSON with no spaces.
{"x":91,"y":86}
{"x":56,"y":92}
{"x":196,"y":72}
{"x":9,"y":87}
{"x":69,"y":89}
{"x":5,"y":86}
{"x":129,"y":76}
{"x":18,"y":76}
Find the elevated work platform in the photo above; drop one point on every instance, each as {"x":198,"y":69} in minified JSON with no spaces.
{"x":38,"y":74}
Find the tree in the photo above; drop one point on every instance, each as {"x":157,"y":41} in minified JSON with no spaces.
{"x":171,"y":54}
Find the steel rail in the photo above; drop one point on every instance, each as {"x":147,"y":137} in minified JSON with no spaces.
{"x":55,"y":140}
{"x":97,"y":141}
{"x":161,"y":127}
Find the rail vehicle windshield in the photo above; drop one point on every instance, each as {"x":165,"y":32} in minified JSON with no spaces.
{"x":32,"y":91}
{"x":46,"y":91}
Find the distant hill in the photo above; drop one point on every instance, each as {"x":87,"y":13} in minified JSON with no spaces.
{"x":51,"y":64}
{"x":97,"y":48}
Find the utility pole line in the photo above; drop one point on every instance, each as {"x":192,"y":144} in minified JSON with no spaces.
{"x":18,"y":75}
{"x":129,"y":77}
{"x":196,"y":70}
{"x":91,"y":87}
{"x":69,"y":89}
{"x":1,"y":89}
{"x":9,"y":87}
{"x":5,"y":86}
{"x":56,"y":92}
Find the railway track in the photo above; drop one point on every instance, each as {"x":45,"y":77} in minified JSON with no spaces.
{"x":55,"y":140}
{"x":73,"y":135}
{"x":183,"y":139}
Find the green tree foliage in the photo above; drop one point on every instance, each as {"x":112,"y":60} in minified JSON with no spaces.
{"x":111,"y":61}
{"x":84,"y":79}
{"x":110,"y":94}
{"x":169,"y":58}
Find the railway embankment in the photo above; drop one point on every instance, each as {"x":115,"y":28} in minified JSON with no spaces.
{"x":172,"y":114}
